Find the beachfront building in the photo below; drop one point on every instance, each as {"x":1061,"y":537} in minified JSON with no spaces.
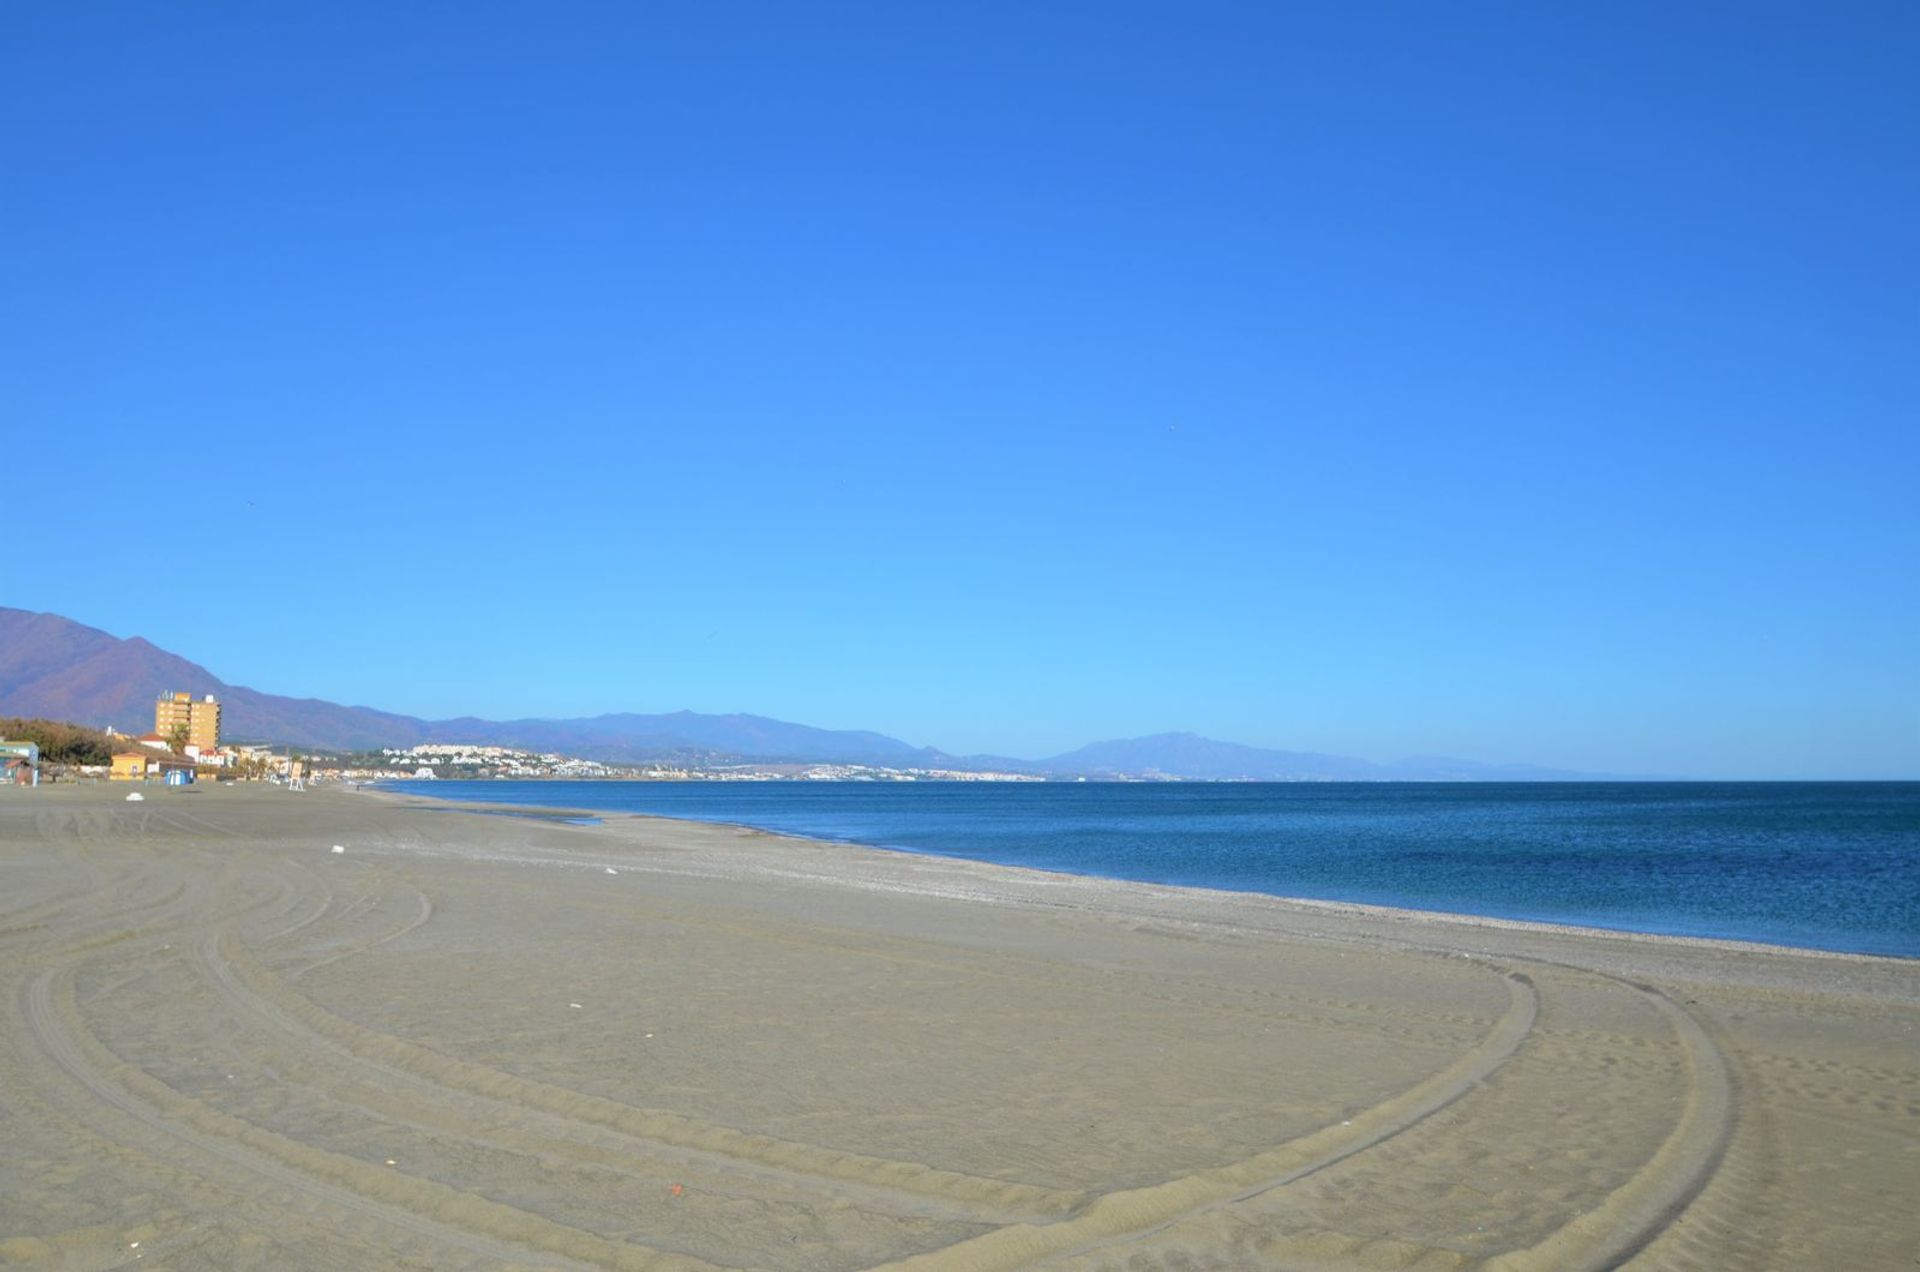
{"x":198,"y":717}
{"x":209,"y":759}
{"x":19,"y":763}
{"x":142,"y":765}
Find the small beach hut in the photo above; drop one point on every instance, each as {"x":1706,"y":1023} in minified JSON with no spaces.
{"x":19,"y":763}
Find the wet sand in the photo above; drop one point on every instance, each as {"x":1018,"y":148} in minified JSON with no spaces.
{"x":486,"y":1041}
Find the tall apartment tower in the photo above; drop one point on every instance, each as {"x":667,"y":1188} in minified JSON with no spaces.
{"x":200,"y":718}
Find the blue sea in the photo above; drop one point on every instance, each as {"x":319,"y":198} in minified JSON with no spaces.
{"x":1826,"y":865}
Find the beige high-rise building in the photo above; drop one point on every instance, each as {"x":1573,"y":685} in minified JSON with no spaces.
{"x":200,"y":717}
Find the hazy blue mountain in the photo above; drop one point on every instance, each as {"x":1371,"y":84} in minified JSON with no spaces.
{"x":1194,"y":758}
{"x":1188,"y":755}
{"x":689,"y":734}
{"x":53,"y":666}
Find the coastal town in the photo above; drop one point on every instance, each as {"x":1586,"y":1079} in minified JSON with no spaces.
{"x":185,"y":747}
{"x":439,"y":760}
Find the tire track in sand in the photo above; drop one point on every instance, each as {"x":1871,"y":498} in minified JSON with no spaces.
{"x":52,"y":915}
{"x":422,"y":915}
{"x":1639,"y":1210}
{"x":1122,"y":1217}
{"x":1643,"y":1208}
{"x":1624,"y":1223}
{"x":670,"y":1129}
{"x":398,"y":1095}
{"x":137,"y":915}
{"x":323,"y":894}
{"x":420,"y":1206}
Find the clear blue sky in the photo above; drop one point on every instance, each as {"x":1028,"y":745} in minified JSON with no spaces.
{"x":1503,"y":380}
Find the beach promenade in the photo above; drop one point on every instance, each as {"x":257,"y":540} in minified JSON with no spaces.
{"x":477,"y":1041}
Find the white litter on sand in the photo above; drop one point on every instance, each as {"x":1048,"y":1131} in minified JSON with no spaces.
{"x":135,"y":798}
{"x":573,"y":1004}
{"x":339,"y":848}
{"x":611,"y":870}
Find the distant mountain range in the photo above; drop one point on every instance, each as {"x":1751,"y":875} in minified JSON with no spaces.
{"x":52,"y":666}
{"x":1189,"y":756}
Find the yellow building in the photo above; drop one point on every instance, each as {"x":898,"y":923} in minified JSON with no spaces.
{"x":139,"y":766}
{"x":199,"y":717}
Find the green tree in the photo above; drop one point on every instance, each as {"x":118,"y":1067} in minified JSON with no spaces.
{"x":59,"y":741}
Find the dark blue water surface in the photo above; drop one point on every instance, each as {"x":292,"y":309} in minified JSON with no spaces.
{"x":1829,"y":865}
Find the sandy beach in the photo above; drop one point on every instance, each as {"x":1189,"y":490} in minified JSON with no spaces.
{"x":482,"y":1041}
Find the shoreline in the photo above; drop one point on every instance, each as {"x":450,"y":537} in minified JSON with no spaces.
{"x":1452,"y":918}
{"x":842,"y":864}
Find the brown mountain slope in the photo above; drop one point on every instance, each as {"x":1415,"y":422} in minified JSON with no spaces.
{"x":54,"y":667}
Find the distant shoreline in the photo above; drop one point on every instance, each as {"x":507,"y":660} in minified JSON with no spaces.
{"x":1473,"y":782}
{"x":1450,"y":919}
